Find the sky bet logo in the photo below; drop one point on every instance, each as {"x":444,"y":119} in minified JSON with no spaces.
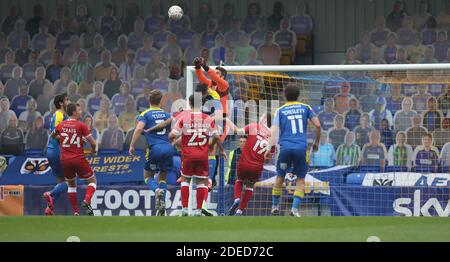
{"x":401,"y":206}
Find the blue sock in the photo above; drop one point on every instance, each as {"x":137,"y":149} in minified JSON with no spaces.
{"x":296,"y":202}
{"x":58,"y":190}
{"x":275,"y":200}
{"x":163,"y":186}
{"x":151,"y":183}
{"x":212,"y":168}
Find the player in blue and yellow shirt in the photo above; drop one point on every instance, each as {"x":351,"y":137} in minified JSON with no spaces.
{"x":159,"y":155}
{"x":54,"y":153}
{"x":289,"y":129}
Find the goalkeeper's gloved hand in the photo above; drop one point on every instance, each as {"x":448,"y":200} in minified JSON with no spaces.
{"x":197,"y":63}
{"x":204,"y":65}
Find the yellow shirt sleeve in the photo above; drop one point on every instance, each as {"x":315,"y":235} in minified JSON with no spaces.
{"x":59,"y":117}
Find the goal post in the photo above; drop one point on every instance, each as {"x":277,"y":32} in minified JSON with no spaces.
{"x":371,"y":178}
{"x":190,"y":70}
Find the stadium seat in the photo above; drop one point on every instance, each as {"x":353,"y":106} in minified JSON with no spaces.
{"x":425,"y":169}
{"x":138,"y":151}
{"x":366,"y":169}
{"x":317,"y":108}
{"x":355,"y":178}
{"x":33,"y":152}
{"x":108,"y":151}
{"x":10,"y":158}
{"x":286,"y":57}
{"x":396,"y":169}
{"x":445,"y":169}
{"x":302,"y":44}
{"x":318,"y":167}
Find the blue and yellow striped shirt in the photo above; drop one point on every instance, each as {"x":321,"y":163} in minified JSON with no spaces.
{"x":56,"y":119}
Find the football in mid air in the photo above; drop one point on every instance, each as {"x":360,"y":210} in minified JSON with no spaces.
{"x":175,"y":12}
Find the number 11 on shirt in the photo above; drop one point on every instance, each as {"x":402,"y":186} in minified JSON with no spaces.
{"x":294,"y":120}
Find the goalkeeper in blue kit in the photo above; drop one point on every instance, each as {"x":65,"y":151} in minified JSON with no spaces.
{"x":289,"y":131}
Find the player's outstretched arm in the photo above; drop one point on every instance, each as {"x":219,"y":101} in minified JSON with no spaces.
{"x":137,"y":132}
{"x":318,"y":130}
{"x":218,"y":142}
{"x":274,"y":135}
{"x":91,"y":141}
{"x":173,"y":135}
{"x":198,"y":71}
{"x":178,"y":142}
{"x":273,"y":140}
{"x":234,"y":128}
{"x":159,"y":127}
{"x":176,"y":132}
{"x":54,"y":135}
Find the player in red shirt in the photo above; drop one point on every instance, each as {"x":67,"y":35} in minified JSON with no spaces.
{"x":251,"y":162}
{"x":196,"y":130}
{"x":74,"y":164}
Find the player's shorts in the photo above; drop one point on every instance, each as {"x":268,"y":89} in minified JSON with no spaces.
{"x":174,"y":174}
{"x":212,"y":163}
{"x":249,"y":172}
{"x":292,"y":159}
{"x":195,"y":167}
{"x":159,"y":157}
{"x":53,"y":157}
{"x":77,"y":167}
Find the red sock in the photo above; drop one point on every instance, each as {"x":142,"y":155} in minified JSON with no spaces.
{"x":89,"y":192}
{"x":201,"y":190}
{"x":247,"y":196}
{"x":205,"y":197}
{"x":184,"y":194}
{"x":72,"y":194}
{"x":237,"y":189}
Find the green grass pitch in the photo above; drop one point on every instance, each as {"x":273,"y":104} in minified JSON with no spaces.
{"x":226,"y":229}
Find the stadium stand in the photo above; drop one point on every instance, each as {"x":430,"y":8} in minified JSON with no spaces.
{"x":109,"y":64}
